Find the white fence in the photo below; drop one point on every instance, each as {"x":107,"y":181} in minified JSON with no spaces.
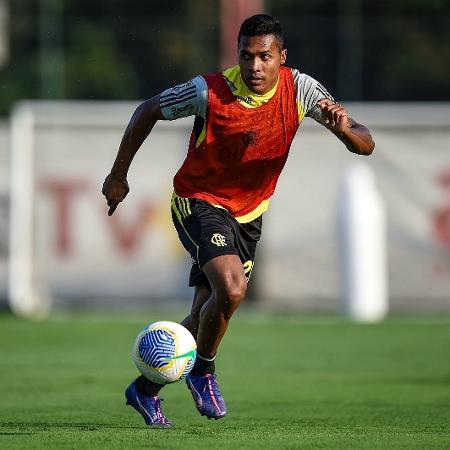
{"x":412,"y":167}
{"x":4,"y":207}
{"x":77,"y":254}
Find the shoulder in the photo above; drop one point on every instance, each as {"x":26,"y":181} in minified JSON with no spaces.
{"x":232,"y":76}
{"x":185,"y":99}
{"x":308,"y":92}
{"x":305,"y":83}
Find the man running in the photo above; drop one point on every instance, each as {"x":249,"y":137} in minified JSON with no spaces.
{"x":245,"y":120}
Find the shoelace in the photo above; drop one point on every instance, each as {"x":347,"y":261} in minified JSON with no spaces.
{"x":213,"y":387}
{"x":154,"y":405}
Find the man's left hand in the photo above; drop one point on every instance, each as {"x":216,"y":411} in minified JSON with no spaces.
{"x":334,"y":115}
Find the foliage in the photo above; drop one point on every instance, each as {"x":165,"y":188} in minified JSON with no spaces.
{"x":360,"y":50}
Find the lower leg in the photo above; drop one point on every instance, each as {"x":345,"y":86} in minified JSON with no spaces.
{"x":212,"y":327}
{"x":147,"y":387}
{"x":226,"y":276}
{"x":202,"y":294}
{"x":229,"y":285}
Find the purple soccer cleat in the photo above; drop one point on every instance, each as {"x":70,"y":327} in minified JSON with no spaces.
{"x":206,"y":394}
{"x":149,"y":407}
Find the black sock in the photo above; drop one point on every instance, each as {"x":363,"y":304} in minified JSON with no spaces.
{"x":203,"y":366}
{"x":147,"y":387}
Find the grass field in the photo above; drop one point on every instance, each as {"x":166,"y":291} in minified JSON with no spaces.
{"x":289,"y":383}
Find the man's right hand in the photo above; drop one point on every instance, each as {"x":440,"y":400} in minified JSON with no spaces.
{"x":115,"y":190}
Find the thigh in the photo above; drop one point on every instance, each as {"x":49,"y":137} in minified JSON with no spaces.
{"x":203,"y":229}
{"x":247,"y":238}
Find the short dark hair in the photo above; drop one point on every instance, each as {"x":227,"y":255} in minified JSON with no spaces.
{"x":261,"y":24}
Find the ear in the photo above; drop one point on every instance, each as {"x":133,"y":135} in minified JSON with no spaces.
{"x":283,"y":56}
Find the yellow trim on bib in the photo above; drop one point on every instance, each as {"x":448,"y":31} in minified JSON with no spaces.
{"x":184,"y":212}
{"x":260,"y":209}
{"x":202,"y":136}
{"x":301,"y":112}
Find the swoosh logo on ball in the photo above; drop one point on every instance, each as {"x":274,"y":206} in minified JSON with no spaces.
{"x":184,"y":355}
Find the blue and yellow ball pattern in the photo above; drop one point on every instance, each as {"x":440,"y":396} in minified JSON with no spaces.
{"x":164,"y":352}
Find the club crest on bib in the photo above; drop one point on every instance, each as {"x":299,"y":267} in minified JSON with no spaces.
{"x":250,"y":139}
{"x":218,"y":239}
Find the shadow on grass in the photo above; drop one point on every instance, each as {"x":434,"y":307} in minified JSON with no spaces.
{"x":45,"y":426}
{"x":19,"y":433}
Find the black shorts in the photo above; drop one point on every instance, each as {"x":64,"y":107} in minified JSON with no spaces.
{"x":207,"y":231}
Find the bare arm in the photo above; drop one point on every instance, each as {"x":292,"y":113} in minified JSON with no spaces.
{"x":356,"y":137}
{"x":115,"y":187}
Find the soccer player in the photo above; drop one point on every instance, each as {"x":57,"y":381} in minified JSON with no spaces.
{"x":245,"y":120}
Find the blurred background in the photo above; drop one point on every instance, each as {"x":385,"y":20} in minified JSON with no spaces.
{"x":71,"y":74}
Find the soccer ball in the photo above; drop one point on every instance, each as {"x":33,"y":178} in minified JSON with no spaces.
{"x":164,"y":352}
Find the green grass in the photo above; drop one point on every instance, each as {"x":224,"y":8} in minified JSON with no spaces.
{"x":289,"y":383}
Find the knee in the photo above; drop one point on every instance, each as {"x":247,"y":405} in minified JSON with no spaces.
{"x":230,"y":295}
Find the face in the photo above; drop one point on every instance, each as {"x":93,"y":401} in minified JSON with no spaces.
{"x":260,"y":59}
